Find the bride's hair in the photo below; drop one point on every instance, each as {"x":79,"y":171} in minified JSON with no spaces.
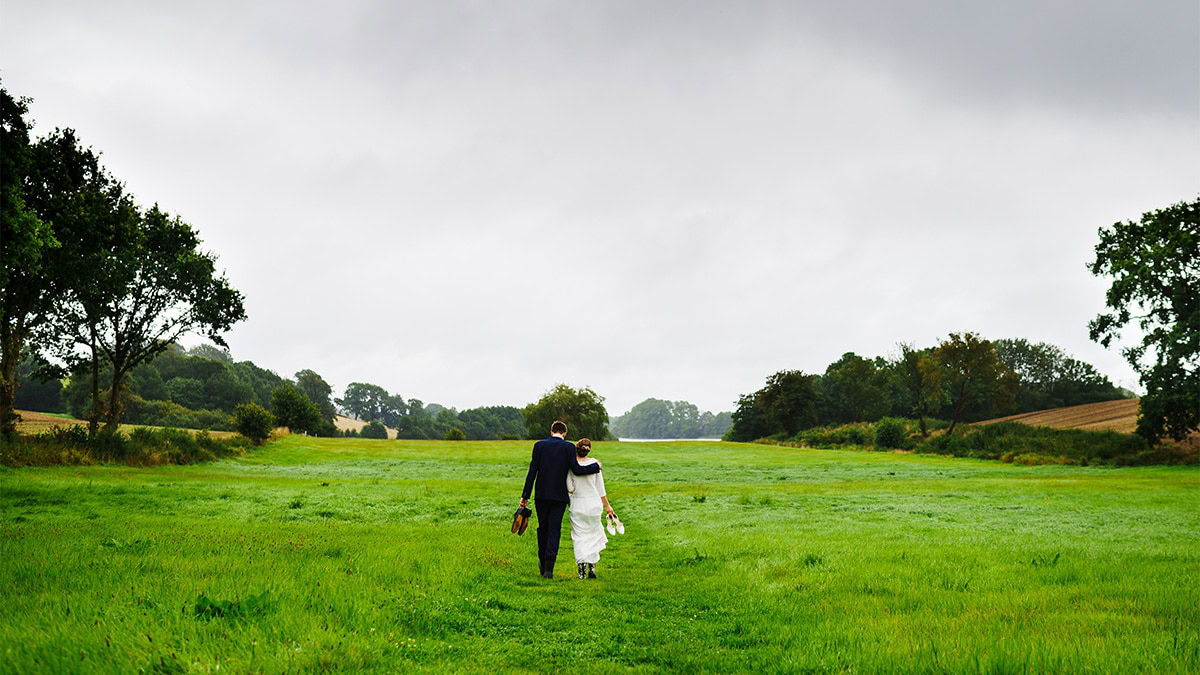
{"x":582,"y":447}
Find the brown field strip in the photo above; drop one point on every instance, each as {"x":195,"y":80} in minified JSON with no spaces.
{"x":344,"y":423}
{"x":36,"y":422}
{"x":1105,"y":416}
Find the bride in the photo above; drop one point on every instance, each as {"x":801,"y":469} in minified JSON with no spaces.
{"x":588,"y":503}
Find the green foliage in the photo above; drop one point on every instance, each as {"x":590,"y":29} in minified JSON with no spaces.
{"x":1049,"y":378}
{"x":492,"y":423}
{"x":789,"y":401}
{"x":854,"y":390}
{"x":254,"y":422}
{"x":318,"y":391}
{"x":455,"y":434}
{"x":211,"y":352}
{"x":891,"y":433}
{"x":374,"y":430}
{"x":368,"y":402}
{"x":294,"y":410}
{"x":655,"y":418}
{"x":1155,"y":269}
{"x":169,"y":414}
{"x":749,"y":422}
{"x":787,"y":404}
{"x":917,"y":383}
{"x":582,"y":409}
{"x":27,"y":243}
{"x":214,"y":389}
{"x":38,"y":389}
{"x":973,"y":375}
{"x":856,"y":434}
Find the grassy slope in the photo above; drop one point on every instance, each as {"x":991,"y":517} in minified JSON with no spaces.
{"x":395,"y":554}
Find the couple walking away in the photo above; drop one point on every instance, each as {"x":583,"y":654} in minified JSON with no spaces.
{"x":566,"y":475}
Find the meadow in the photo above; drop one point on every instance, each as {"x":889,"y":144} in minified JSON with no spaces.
{"x":347,"y":554}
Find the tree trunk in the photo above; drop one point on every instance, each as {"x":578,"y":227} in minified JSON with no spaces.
{"x":10,"y":357}
{"x":94,"y":413}
{"x":958,"y":408}
{"x":921,"y":421}
{"x":113,"y":414}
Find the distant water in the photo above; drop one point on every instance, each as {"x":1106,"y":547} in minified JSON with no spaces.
{"x":663,"y":440}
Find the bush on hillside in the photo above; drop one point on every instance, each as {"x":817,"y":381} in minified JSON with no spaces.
{"x":170,"y":414}
{"x":374,"y":430}
{"x":254,"y":422}
{"x":891,"y":433}
{"x":455,"y":434}
{"x":835,"y":437}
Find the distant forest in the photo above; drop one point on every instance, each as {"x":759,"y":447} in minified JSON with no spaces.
{"x":199,"y":388}
{"x":964,"y":379}
{"x":656,"y":418}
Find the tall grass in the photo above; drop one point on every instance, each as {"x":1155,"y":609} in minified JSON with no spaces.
{"x":142,"y":446}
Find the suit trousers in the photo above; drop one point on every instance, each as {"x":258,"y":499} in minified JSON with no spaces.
{"x":549,"y":531}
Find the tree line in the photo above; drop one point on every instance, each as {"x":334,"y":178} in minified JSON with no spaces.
{"x":415,"y":419}
{"x":964,"y":378}
{"x":656,"y":418}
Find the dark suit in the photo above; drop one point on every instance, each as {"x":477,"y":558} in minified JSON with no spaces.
{"x":552,"y":459}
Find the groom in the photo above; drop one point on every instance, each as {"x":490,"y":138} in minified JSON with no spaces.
{"x":552,"y":459}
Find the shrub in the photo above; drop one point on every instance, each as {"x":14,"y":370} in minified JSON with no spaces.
{"x":835,"y":437}
{"x":455,"y":434}
{"x":254,"y":422}
{"x":891,"y":432}
{"x":293,"y":409}
{"x":374,"y":430}
{"x":170,"y":414}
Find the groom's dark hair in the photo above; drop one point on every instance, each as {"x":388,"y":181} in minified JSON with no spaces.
{"x":559,"y":427}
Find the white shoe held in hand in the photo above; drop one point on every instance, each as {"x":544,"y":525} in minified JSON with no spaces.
{"x":615,"y":526}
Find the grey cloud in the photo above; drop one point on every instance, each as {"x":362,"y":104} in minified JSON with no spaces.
{"x":721,"y":189}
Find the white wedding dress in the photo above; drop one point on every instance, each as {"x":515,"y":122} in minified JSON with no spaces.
{"x":587,"y":512}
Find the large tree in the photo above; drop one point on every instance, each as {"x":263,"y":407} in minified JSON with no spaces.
{"x":788,"y":401}
{"x":25,"y":242}
{"x":367,"y":402}
{"x":749,"y":422}
{"x":973,"y":375}
{"x":318,"y":391}
{"x":918,"y":380}
{"x":294,"y":410}
{"x":582,"y":409}
{"x":854,"y":390}
{"x":159,"y":285}
{"x":1154,"y":264}
{"x":90,"y":216}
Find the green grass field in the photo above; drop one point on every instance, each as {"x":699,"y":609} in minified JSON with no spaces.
{"x":350,"y":554}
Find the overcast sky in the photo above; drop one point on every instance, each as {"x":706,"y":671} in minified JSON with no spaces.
{"x":468,"y":202}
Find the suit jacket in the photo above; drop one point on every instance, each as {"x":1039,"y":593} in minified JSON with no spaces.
{"x":552,"y":459}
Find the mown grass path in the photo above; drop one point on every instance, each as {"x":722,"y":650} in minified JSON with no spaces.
{"x":395,"y":555}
